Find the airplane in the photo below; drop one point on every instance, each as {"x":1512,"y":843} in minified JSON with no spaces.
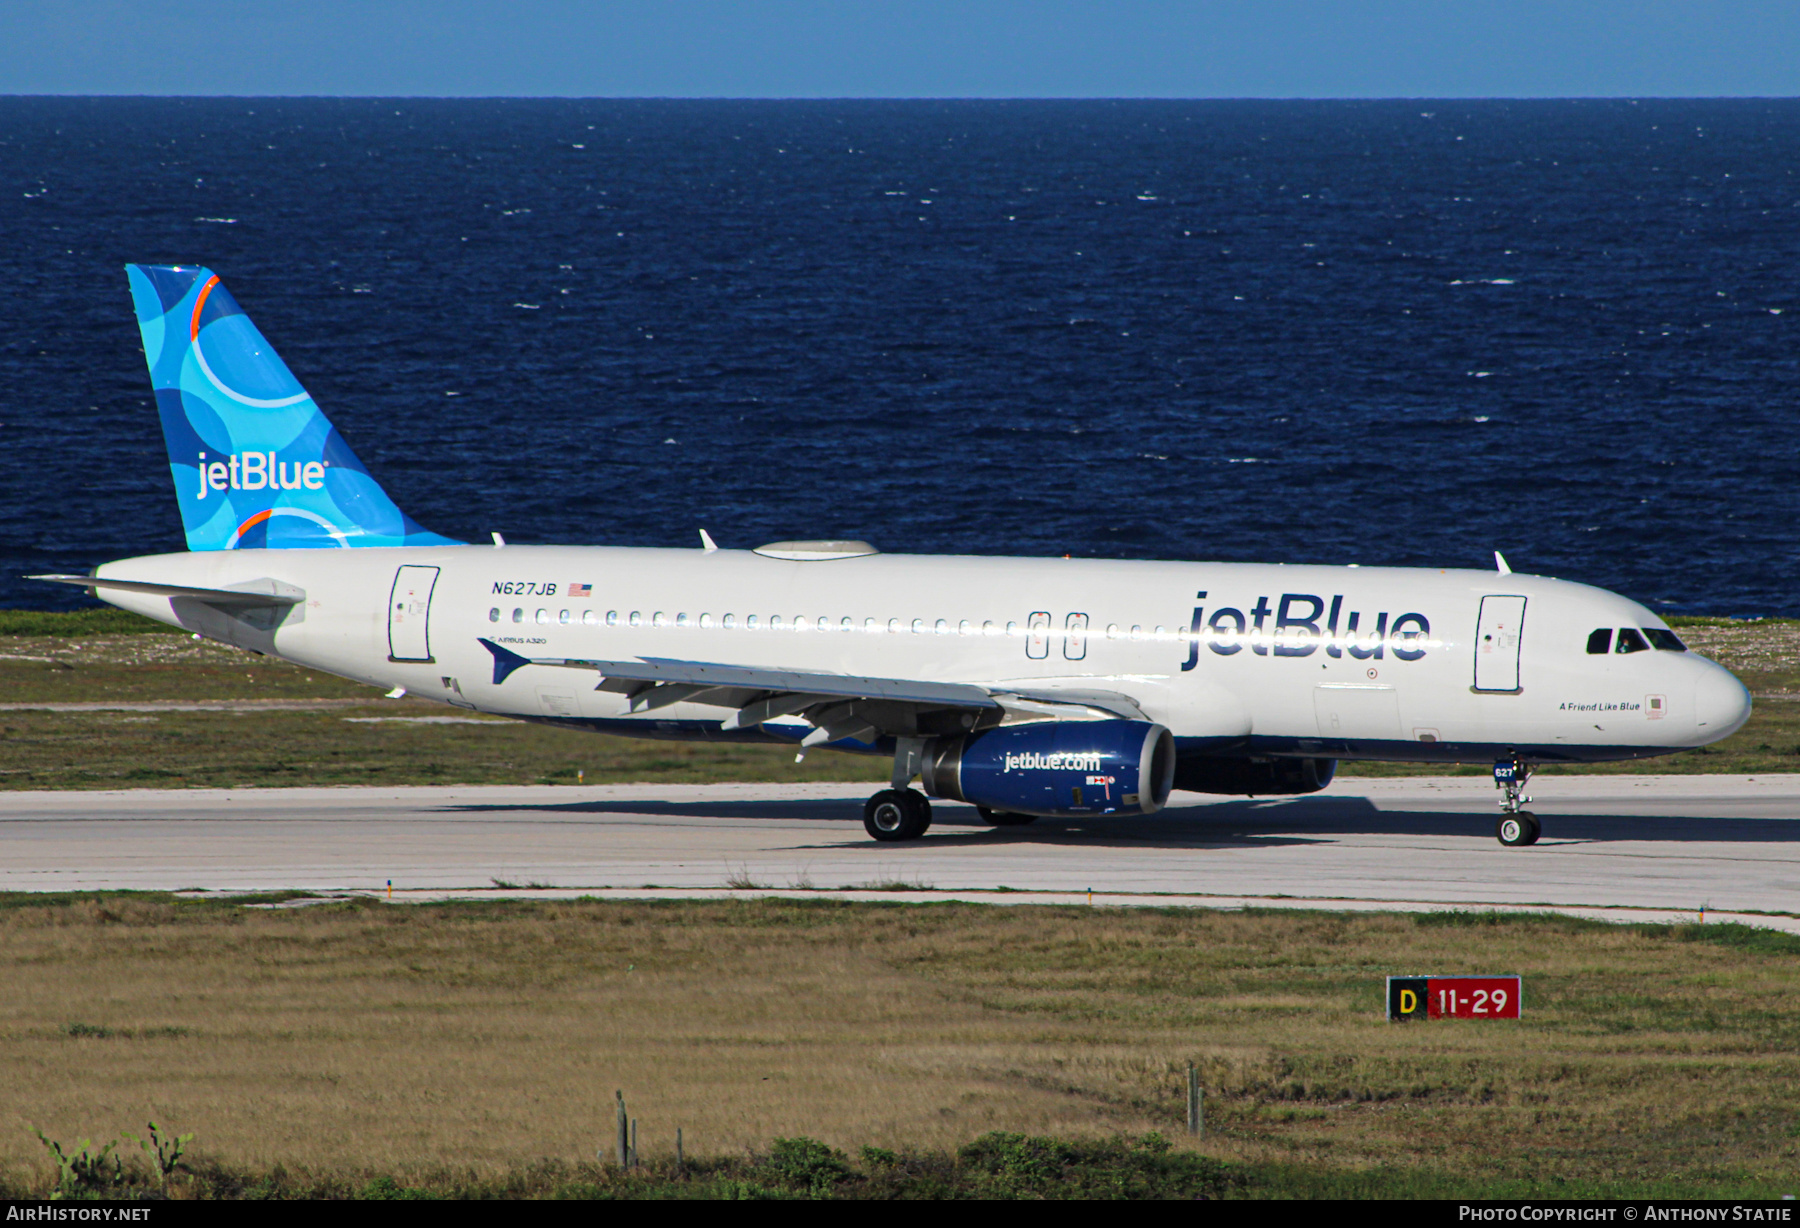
{"x":1027,"y":687}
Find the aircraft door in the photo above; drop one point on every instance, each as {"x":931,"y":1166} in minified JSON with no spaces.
{"x":1037,"y":635}
{"x":1498,"y":635}
{"x":409,"y":614}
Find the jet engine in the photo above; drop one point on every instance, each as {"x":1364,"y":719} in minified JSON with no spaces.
{"x":1056,"y":768}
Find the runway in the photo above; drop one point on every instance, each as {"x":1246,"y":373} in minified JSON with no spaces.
{"x":1642,"y":846}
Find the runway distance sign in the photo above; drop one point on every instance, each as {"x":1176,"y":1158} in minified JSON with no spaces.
{"x":1453,"y":997}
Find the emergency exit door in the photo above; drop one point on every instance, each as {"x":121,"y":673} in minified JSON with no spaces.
{"x":1498,"y":633}
{"x":409,"y":614}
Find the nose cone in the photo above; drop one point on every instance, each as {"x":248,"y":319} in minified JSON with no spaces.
{"x":1721,"y":704}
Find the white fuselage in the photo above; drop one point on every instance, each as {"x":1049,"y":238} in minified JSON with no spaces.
{"x":1398,"y":687}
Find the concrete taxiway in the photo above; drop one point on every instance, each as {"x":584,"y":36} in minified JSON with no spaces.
{"x":1624,"y":846}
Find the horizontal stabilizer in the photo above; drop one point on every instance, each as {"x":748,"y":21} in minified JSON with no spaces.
{"x":211,"y":596}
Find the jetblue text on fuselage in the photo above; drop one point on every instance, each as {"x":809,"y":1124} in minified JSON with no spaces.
{"x":1303,"y":623}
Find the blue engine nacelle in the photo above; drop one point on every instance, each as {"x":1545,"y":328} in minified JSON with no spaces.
{"x":1056,"y":768}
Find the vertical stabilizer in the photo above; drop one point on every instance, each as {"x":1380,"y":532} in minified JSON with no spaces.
{"x":256,"y":464}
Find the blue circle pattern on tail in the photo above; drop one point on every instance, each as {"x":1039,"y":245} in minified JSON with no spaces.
{"x":255,"y":462}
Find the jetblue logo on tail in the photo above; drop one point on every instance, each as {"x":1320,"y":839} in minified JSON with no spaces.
{"x":259,"y":471}
{"x":256,"y":464}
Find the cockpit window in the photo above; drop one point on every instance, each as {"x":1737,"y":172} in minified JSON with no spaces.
{"x":1666,"y":640}
{"x":1631,"y":641}
{"x":1600,"y":642}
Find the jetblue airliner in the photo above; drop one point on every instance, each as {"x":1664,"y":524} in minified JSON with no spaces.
{"x":1027,"y":687}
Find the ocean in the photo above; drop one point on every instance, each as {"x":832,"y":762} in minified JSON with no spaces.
{"x":1403,"y":332}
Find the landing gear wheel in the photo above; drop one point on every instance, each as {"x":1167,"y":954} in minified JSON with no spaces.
{"x":897,"y":814}
{"x":1004,"y":818}
{"x":1518,"y":830}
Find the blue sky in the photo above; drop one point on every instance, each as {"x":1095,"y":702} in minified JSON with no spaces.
{"x":904,"y":48}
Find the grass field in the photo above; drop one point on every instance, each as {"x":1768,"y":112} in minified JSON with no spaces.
{"x":352,"y":736}
{"x":477,"y":1047}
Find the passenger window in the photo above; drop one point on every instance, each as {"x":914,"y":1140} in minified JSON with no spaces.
{"x":847,"y":625}
{"x":681,"y":620}
{"x":705,"y":622}
{"x":518,"y":615}
{"x":869,"y":625}
{"x":988,"y":628}
{"x":563,"y":618}
{"x":1112,"y":631}
{"x":589,"y":617}
{"x":612,"y":618}
{"x":893,"y":626}
{"x":941,"y":627}
{"x":1631,"y":641}
{"x":494,"y":615}
{"x":800,"y":623}
{"x":658,"y":619}
{"x":731,"y":622}
{"x":637,"y":618}
{"x":918,"y":626}
{"x":543,"y":616}
{"x":1137,"y":633}
{"x":1600,"y":642}
{"x":1664,"y":639}
{"x":750,"y":623}
{"x":964,"y":628}
{"x":775,"y":623}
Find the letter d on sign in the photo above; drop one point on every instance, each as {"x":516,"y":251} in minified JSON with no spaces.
{"x":1406,"y":997}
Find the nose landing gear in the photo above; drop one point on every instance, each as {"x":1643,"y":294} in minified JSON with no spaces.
{"x":1516,"y":827}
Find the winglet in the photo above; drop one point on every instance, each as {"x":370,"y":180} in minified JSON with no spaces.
{"x":1500,"y":564}
{"x":506,"y":661}
{"x":707,"y":543}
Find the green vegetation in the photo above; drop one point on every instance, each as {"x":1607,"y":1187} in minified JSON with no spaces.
{"x":368,"y":745}
{"x":67,"y":624}
{"x":845,"y":1050}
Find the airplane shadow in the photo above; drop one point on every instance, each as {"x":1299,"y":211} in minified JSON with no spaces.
{"x":1245,"y":823}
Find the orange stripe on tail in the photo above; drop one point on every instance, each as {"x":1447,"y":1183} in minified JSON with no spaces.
{"x":194,"y":324}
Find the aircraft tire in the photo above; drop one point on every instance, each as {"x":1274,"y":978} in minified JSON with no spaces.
{"x":1518,"y":830}
{"x":893,"y":815}
{"x":1004,"y":818}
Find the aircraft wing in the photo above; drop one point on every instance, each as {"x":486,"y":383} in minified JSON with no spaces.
{"x":661,"y":671}
{"x":838,"y":705}
{"x":702,"y":673}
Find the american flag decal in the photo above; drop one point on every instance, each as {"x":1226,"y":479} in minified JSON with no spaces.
{"x":581,"y":590}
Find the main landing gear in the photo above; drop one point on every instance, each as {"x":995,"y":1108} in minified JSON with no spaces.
{"x":900,"y":813}
{"x":1516,"y":828}
{"x":897,"y":814}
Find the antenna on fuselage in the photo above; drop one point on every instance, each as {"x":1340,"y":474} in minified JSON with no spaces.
{"x":1500,"y":564}
{"x":707,"y":543}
